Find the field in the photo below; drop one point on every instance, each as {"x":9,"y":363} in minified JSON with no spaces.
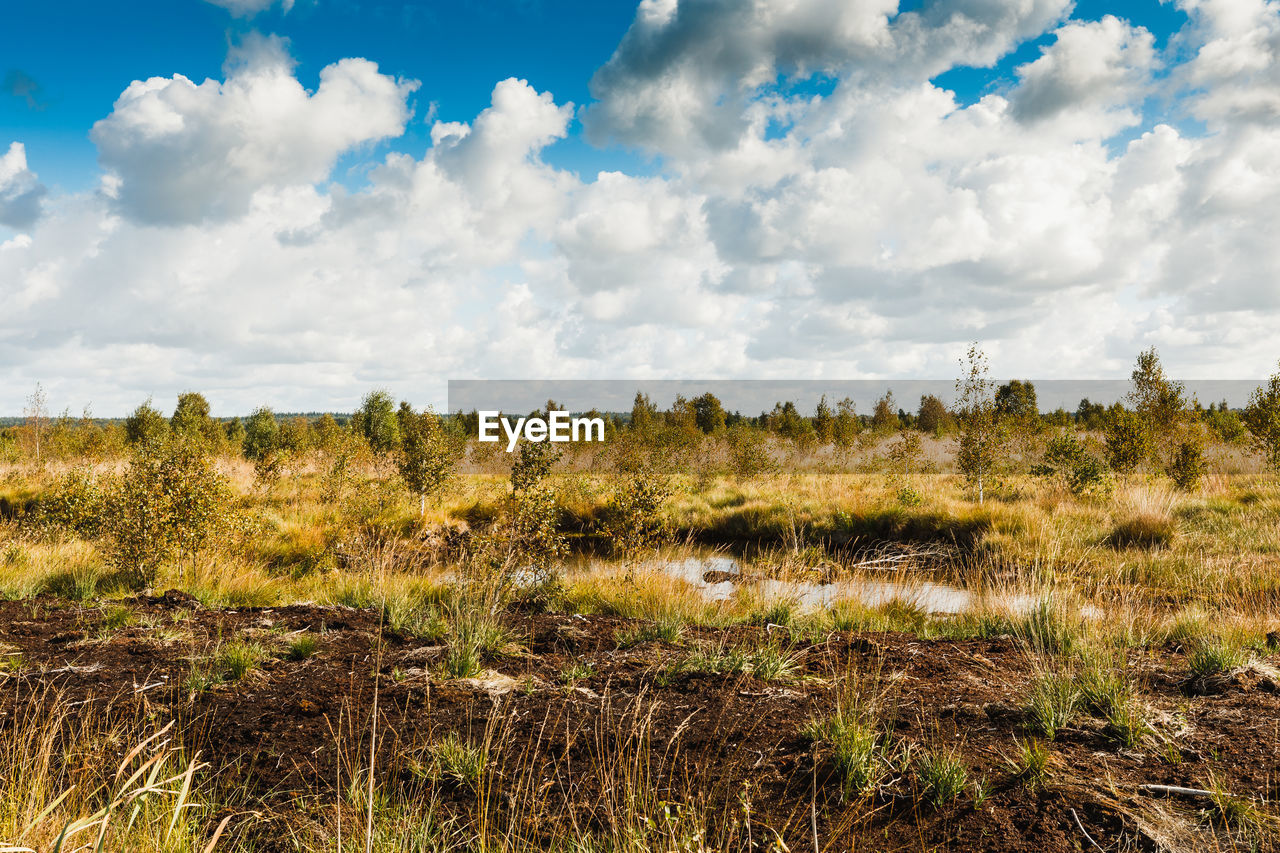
{"x":747,"y":642}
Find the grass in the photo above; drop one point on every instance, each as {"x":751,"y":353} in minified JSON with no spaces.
{"x":454,"y":759}
{"x":476,"y":633}
{"x":1241,"y":815}
{"x":1086,"y":586}
{"x":116,"y":617}
{"x":1106,"y":691}
{"x":942,"y":775}
{"x":767,"y":662}
{"x":666,"y":629}
{"x":72,"y":774}
{"x":577,"y":671}
{"x":1147,"y":530}
{"x":856,"y":736}
{"x":1215,"y":657}
{"x":1031,"y":763}
{"x":228,"y":663}
{"x":1052,"y":702}
{"x":302,"y":647}
{"x":1048,"y":627}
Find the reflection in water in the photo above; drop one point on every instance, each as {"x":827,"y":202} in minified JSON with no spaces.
{"x":713,"y":576}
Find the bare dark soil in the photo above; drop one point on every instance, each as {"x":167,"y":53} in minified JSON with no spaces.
{"x":287,"y":735}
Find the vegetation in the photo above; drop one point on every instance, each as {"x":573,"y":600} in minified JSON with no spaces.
{"x":895,"y":608}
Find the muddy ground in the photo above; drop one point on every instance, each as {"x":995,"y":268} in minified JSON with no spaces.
{"x":288,"y":734}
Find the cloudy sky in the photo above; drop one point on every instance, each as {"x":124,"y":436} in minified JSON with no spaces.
{"x":291,"y":202}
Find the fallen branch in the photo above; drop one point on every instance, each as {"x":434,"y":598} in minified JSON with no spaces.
{"x":1087,"y":837}
{"x":1176,"y":791}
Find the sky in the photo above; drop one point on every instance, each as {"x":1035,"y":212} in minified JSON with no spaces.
{"x":291,"y":203}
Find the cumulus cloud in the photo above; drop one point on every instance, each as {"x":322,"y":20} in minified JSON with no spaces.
{"x":20,"y":190}
{"x":1236,"y":65}
{"x":1101,"y":67}
{"x":1068,"y":218}
{"x":684,"y":71}
{"x":182,"y":152}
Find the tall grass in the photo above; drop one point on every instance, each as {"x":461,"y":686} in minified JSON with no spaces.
{"x":60,"y":791}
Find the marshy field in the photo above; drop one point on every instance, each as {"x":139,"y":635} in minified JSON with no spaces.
{"x":976,"y":629}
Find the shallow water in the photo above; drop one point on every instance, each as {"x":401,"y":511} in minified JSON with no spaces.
{"x":927,"y":595}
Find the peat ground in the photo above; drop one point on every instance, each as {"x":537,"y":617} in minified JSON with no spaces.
{"x":575,"y":723}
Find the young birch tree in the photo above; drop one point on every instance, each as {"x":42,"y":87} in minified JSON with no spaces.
{"x":1262,"y":418}
{"x":980,"y":437}
{"x":427,"y":455}
{"x":37,"y":414}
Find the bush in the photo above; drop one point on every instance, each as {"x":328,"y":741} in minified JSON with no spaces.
{"x":1187,"y":465}
{"x":748,"y":452}
{"x":633,"y":519}
{"x":168,"y":504}
{"x":145,"y":426}
{"x":1066,"y":460}
{"x":427,"y":454}
{"x":909,"y":496}
{"x":1128,"y":442}
{"x":376,"y":420}
{"x":1262,"y":418}
{"x":74,"y":505}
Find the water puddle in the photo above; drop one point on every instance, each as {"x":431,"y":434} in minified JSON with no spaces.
{"x":715,"y":577}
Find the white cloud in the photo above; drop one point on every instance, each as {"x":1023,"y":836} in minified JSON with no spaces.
{"x":1099,"y":70}
{"x":20,"y":190}
{"x":249,"y":8}
{"x":184,"y":152}
{"x":870,"y":231}
{"x":1236,"y":66}
{"x":681,"y":77}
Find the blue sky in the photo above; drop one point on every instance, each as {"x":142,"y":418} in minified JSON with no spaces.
{"x":397,"y":194}
{"x":82,"y":53}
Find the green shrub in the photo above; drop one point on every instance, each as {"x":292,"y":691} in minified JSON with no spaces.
{"x":73,"y":505}
{"x":633,"y":518}
{"x":427,"y":454}
{"x":1187,"y":466}
{"x":909,"y":496}
{"x":1128,"y":442}
{"x":748,"y":452}
{"x":168,"y":505}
